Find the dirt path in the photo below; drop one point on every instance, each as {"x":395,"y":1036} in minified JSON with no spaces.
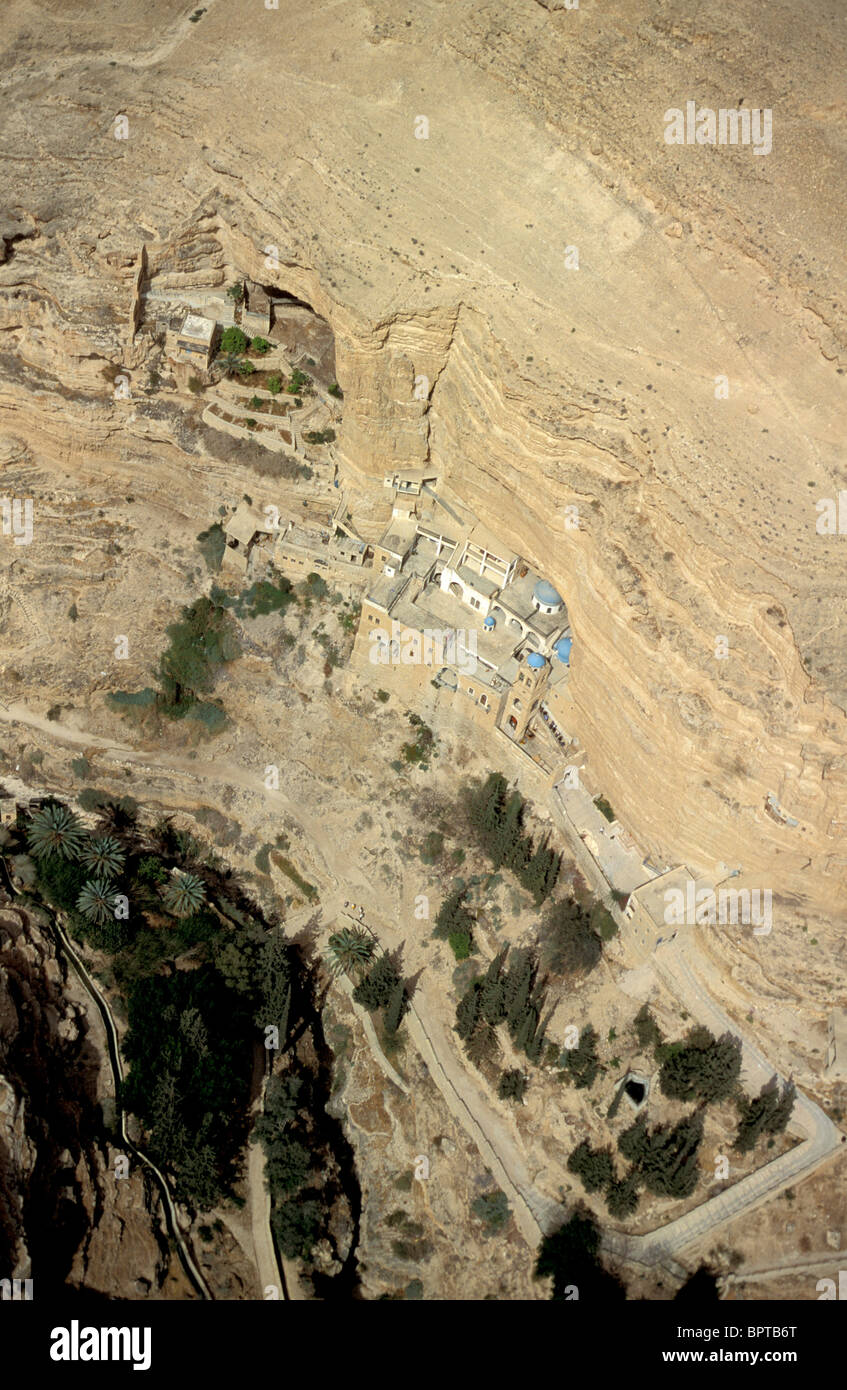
{"x":535,"y":1213}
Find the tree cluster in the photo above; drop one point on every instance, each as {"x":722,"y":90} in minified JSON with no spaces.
{"x":767,"y":1113}
{"x":569,"y":944}
{"x":383,"y":988}
{"x":702,"y":1067}
{"x":495,"y":818}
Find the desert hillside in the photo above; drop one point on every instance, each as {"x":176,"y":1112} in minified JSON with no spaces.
{"x":528,"y":288}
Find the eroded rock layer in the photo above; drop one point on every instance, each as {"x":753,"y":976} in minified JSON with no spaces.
{"x":422,"y":176}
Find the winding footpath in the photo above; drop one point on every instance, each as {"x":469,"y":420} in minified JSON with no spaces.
{"x":61,"y":937}
{"x":674,"y":963}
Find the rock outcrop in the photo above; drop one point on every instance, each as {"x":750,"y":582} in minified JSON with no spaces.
{"x":481,"y":199}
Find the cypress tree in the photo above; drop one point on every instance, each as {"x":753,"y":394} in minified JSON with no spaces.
{"x":493,"y":1001}
{"x":395,"y":1009}
{"x":467,"y":1010}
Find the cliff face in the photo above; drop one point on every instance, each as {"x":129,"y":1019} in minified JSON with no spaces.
{"x":66,"y":1220}
{"x":678,"y":379}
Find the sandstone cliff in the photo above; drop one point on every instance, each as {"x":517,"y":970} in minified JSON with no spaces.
{"x":283,"y":144}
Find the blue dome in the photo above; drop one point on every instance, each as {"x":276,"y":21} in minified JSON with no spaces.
{"x":490,"y":623}
{"x":545,"y":594}
{"x":563,"y":649}
{"x":536,"y":660}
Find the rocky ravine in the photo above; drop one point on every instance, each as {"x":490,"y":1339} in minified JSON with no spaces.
{"x":66,"y":1219}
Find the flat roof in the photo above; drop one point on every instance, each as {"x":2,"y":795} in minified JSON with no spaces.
{"x":399,"y":538}
{"x":477,"y":581}
{"x":245,"y":522}
{"x":480,"y":536}
{"x":386,"y":589}
{"x":196,"y":327}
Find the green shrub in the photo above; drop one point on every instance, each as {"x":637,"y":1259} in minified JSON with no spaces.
{"x":512,"y":1086}
{"x":233,"y":340}
{"x":493,"y":1210}
{"x":460,"y":943}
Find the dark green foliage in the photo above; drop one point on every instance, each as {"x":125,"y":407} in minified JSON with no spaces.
{"x":131,"y":699}
{"x":569,"y":945}
{"x":103,"y":855}
{"x":395,"y":1009}
{"x":461,"y":944}
{"x":96,"y":901}
{"x":703,"y":1068}
{"x":582,"y":1061}
{"x":540,"y":873}
{"x":60,"y":881}
{"x":260,"y":345}
{"x":646,"y":1029}
{"x":482,"y":1048}
{"x":622,"y":1196}
{"x":297,"y":1224}
{"x":55,"y":832}
{"x":593,"y":1167}
{"x":233,"y":340}
{"x":468,"y":1011}
{"x":454,"y":919}
{"x":766,"y":1113}
{"x":570,"y":1256}
{"x":184,"y":894}
{"x":81,"y":767}
{"x":203,"y":640}
{"x":604,"y":808}
{"x":297,"y":381}
{"x":319,"y":436}
{"x":512,"y":1086}
{"x":495,"y":818}
{"x":151,"y":870}
{"x":186,"y":1042}
{"x":493,"y":1000}
{"x":665,"y":1158}
{"x":422,"y":748}
{"x":335,"y":390}
{"x":351,"y":950}
{"x":493,"y":1210}
{"x":634,"y":1142}
{"x":376,"y":989}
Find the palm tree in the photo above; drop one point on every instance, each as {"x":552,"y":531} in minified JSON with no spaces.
{"x":185,"y":894}
{"x":97,"y":900}
{"x":119,"y":819}
{"x":55,"y":829}
{"x":229,"y":362}
{"x":350,"y":949}
{"x":104,"y":856}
